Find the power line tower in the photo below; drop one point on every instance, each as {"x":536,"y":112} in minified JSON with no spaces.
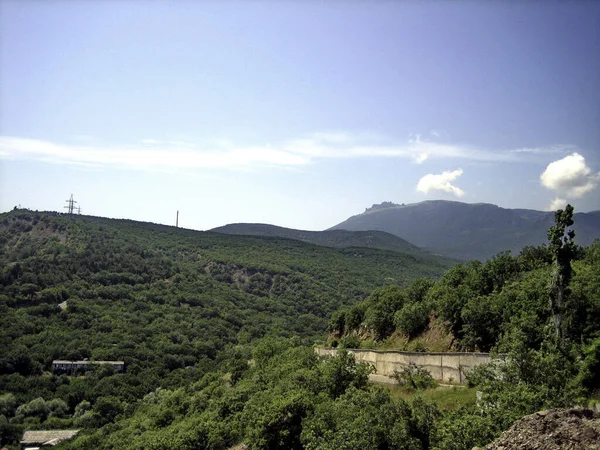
{"x":177,"y":220}
{"x":70,"y":205}
{"x":79,"y":210}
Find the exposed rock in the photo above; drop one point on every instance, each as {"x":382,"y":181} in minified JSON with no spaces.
{"x":554,"y":429}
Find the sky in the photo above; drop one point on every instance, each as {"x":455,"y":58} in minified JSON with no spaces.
{"x":296,"y":113}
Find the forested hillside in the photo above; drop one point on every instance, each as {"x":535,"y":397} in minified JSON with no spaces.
{"x":540,"y":309}
{"x":173,"y":304}
{"x":482,"y":305}
{"x":214,"y":329}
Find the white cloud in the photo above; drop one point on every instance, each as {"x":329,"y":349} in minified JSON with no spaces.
{"x":340,"y":145}
{"x":152,"y":154}
{"x":557,"y":203}
{"x":570,"y":176}
{"x":545,"y":150}
{"x":441,"y":182}
{"x":148,"y":158}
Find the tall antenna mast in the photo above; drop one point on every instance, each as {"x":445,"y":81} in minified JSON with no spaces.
{"x":70,"y":205}
{"x":177,"y":220}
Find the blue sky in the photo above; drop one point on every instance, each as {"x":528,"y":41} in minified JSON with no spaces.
{"x":298,"y":114}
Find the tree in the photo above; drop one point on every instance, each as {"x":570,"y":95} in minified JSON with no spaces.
{"x":108,"y":408}
{"x":562,"y":246}
{"x":342,"y":372}
{"x":8,"y":405}
{"x":337,"y":322}
{"x":354,"y":317}
{"x":412,"y":318}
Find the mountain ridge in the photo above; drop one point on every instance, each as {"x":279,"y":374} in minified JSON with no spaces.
{"x":466,"y":230}
{"x":328,"y":238}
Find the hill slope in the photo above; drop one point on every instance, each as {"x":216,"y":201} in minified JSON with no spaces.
{"x":467,"y":231}
{"x":329,"y":238}
{"x":174,"y":304}
{"x":234,"y":288}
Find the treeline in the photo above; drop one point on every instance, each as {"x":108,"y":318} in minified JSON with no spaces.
{"x":172,"y":303}
{"x":483,"y":304}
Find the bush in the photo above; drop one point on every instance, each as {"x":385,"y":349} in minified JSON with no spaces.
{"x":342,"y":372}
{"x":107,"y":408}
{"x":8,"y":405}
{"x":57,"y":408}
{"x":337,"y":322}
{"x":351,"y":341}
{"x":379,"y":322}
{"x":464,"y":429}
{"x":10,"y":433}
{"x":414,"y":377}
{"x":354,"y":317}
{"x":589,"y":373}
{"x":412,"y":319}
{"x":35,"y":408}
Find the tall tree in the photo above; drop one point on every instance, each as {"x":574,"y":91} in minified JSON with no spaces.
{"x":562,"y":245}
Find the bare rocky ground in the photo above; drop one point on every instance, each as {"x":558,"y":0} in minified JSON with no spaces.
{"x":554,"y":429}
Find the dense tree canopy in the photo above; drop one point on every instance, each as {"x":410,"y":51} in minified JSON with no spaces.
{"x":173,"y":304}
{"x":483,"y":304}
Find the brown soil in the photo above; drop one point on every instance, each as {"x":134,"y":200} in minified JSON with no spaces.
{"x":437,"y":338}
{"x":555,"y":429}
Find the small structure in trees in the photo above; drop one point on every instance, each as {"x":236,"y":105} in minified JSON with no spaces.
{"x":45,"y":438}
{"x":59,"y":365}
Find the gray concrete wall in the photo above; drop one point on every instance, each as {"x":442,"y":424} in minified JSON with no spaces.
{"x":444,"y":367}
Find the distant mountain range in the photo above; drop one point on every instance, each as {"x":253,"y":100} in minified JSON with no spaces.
{"x":331,"y":238}
{"x":467,"y":231}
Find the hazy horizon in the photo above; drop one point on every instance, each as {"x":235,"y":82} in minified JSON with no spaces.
{"x":179,"y":216}
{"x":296,"y":114}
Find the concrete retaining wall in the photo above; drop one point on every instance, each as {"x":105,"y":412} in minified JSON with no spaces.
{"x":444,"y":367}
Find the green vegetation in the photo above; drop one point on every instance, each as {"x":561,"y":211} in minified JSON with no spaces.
{"x":289,"y":399}
{"x":173,"y":304}
{"x":215,"y":332}
{"x":484,"y":305}
{"x":540,"y":307}
{"x":445,"y":398}
{"x":414,"y":377}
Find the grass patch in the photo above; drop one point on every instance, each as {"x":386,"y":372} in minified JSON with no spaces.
{"x":447,"y":398}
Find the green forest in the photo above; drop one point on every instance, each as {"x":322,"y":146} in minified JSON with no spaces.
{"x":217,"y":334}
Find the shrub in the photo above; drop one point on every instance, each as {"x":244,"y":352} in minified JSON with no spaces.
{"x":589,"y":372}
{"x":351,"y":341}
{"x":414,"y":377}
{"x":337,"y":322}
{"x":354,"y":317}
{"x":412,"y":318}
{"x":379,"y":322}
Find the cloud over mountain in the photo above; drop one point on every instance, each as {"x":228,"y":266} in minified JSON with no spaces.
{"x":441,"y":183}
{"x":570,"y":176}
